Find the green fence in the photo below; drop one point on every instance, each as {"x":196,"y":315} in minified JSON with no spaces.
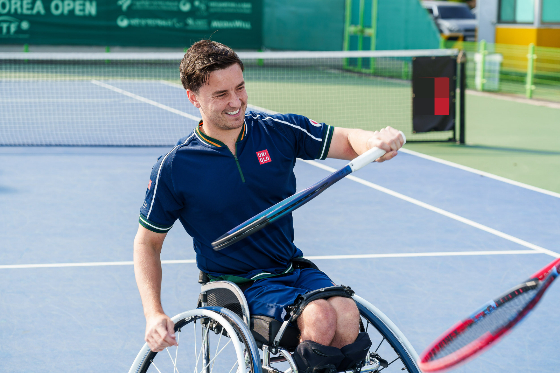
{"x":527,"y":71}
{"x":388,"y":25}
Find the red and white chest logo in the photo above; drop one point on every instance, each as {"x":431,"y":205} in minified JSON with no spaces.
{"x":263,"y":156}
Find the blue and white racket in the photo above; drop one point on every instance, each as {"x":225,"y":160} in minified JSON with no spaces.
{"x":258,"y":222}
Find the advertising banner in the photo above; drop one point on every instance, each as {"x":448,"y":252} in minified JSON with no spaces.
{"x":155,"y":23}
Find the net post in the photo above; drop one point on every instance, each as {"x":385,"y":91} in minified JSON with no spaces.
{"x":462,"y":61}
{"x":530,"y":71}
{"x":107,"y":50}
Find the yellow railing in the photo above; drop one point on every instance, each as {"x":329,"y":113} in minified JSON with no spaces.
{"x":512,"y":69}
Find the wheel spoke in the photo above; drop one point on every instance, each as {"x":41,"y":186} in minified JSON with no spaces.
{"x":383,"y":347}
{"x":155,"y":366}
{"x":172,"y":361}
{"x":202,"y":347}
{"x":195,"y":339}
{"x":234,"y":364}
{"x":380,"y":343}
{"x":210,"y":362}
{"x":216,"y":353}
{"x":177,"y":349}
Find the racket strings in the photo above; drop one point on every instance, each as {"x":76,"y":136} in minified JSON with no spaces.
{"x":492,"y":321}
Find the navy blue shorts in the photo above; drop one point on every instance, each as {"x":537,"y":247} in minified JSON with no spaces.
{"x":270,"y":296}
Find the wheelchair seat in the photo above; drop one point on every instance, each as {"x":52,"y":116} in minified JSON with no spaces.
{"x":263,"y":328}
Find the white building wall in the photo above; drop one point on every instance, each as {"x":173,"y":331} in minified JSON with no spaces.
{"x":487,"y":17}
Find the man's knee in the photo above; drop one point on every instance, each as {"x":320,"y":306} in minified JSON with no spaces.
{"x":318,"y":322}
{"x":345,"y":308}
{"x":348,"y":321}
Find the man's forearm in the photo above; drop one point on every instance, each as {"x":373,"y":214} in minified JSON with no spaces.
{"x":349,"y":143}
{"x":147,"y":269}
{"x":358,"y":138}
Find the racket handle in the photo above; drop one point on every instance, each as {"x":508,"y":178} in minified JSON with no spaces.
{"x":369,"y":156}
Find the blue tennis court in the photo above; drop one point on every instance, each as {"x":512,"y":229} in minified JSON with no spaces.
{"x":424,"y":241}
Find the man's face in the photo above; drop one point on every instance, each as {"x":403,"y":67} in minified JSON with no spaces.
{"x":223,"y":99}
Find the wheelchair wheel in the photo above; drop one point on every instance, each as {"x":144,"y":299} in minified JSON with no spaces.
{"x":390,"y":350}
{"x":211,"y":339}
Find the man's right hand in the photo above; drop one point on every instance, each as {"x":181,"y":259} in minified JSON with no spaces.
{"x":159,"y":332}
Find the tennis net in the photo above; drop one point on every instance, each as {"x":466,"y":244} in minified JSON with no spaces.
{"x":136,"y":99}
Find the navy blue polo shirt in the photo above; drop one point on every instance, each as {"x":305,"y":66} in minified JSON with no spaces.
{"x":211,"y":190}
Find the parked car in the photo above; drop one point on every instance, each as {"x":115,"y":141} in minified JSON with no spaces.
{"x":453,"y":18}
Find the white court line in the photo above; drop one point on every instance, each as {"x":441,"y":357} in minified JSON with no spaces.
{"x":145,"y":100}
{"x":90,"y":264}
{"x":319,"y":257}
{"x":419,"y":255}
{"x":174,"y":85}
{"x":442,"y":212}
{"x":482,"y":173}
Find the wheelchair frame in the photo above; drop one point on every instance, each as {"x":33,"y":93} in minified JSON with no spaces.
{"x":230,"y":316}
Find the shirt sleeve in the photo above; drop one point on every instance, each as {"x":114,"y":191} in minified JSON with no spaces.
{"x":162,"y":206}
{"x":312,"y":140}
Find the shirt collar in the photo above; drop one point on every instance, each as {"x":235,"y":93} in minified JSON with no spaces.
{"x":215,"y":142}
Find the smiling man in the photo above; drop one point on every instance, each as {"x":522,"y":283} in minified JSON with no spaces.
{"x":235,"y":164}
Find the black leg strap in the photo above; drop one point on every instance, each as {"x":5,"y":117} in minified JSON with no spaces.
{"x":355,"y":353}
{"x":312,"y":357}
{"x":304,"y":299}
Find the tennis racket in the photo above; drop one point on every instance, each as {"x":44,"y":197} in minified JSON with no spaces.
{"x":488,"y":324}
{"x":258,"y":222}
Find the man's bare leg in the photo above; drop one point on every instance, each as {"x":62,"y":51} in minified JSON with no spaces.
{"x":333,"y":322}
{"x":347,"y":321}
{"x":317,"y":322}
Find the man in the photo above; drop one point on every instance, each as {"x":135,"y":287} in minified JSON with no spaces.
{"x":233,"y":166}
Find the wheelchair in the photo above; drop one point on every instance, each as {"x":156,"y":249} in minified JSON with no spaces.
{"x":221,"y":336}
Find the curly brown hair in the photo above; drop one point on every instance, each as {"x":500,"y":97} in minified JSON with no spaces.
{"x":201,"y":59}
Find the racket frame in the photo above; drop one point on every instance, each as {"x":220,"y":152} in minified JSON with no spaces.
{"x":545,"y":276}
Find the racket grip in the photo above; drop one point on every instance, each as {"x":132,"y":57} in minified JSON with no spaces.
{"x":369,"y":156}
